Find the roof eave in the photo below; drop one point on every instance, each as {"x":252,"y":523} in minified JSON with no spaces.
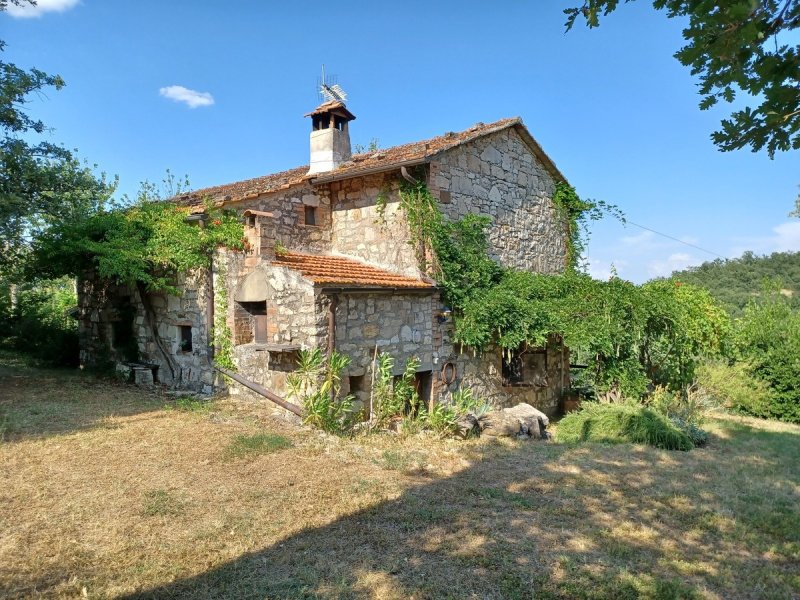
{"x":333,"y":176}
{"x":354,"y":289}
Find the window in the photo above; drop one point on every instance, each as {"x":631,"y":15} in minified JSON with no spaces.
{"x":311,"y":215}
{"x":186,"y":338}
{"x":422,"y":383}
{"x":357,"y":385}
{"x":525,"y":367}
{"x":257,"y":312}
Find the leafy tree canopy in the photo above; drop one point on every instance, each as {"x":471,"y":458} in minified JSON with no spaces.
{"x":736,"y":46}
{"x":146,"y":244}
{"x":41,"y":183}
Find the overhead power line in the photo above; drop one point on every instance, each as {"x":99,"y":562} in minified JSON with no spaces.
{"x":627,"y":221}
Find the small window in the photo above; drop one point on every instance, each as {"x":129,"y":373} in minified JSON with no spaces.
{"x":525,"y":367}
{"x":311,"y":215}
{"x":186,"y":338}
{"x":423,"y":381}
{"x":357,"y":384}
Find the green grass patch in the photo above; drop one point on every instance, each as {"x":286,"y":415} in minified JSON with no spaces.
{"x":162,"y":503}
{"x":397,"y":460}
{"x":191,"y":404}
{"x":621,"y":423}
{"x":260,"y":443}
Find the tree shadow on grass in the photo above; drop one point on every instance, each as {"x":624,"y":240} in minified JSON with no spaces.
{"x":545,"y":521}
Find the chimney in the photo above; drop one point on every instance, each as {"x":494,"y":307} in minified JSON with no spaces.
{"x":330,"y":136}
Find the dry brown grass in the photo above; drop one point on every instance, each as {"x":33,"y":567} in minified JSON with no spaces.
{"x":105,"y":493}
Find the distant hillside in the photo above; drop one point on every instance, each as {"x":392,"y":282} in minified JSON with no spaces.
{"x":735,"y":281}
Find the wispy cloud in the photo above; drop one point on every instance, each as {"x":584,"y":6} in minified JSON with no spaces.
{"x":676,"y":261}
{"x":29,"y":11}
{"x":604,"y":270}
{"x":785,"y":238}
{"x":191,"y":98}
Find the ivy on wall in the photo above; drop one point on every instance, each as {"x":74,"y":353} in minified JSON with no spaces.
{"x":221,"y":333}
{"x":632,"y":335}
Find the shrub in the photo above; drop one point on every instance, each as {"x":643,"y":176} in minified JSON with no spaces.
{"x":768,"y":338}
{"x":39,"y":323}
{"x":685,"y":410}
{"x":464,"y":401}
{"x":317,"y":385}
{"x":620,"y":423}
{"x":442,"y":419}
{"x":734,"y":387}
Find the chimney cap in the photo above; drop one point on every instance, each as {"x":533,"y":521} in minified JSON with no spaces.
{"x":332,"y":106}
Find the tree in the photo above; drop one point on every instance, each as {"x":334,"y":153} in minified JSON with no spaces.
{"x":736,"y":46}
{"x":40,"y":183}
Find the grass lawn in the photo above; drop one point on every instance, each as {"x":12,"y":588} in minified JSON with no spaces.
{"x":109,"y":491}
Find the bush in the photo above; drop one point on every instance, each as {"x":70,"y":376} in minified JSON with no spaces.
{"x":734,"y":387}
{"x":685,"y":410}
{"x":317,"y":385}
{"x":39,"y":323}
{"x":620,"y":423}
{"x":768,"y":338}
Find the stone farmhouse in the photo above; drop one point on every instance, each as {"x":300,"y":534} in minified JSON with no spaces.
{"x":346,"y":275}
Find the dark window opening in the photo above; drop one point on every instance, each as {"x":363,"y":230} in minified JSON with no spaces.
{"x":357,"y":384}
{"x":258,"y":315}
{"x":186,"y":338}
{"x":359,"y":389}
{"x":251,"y":221}
{"x":422,"y":383}
{"x":525,"y":367}
{"x":311,"y":215}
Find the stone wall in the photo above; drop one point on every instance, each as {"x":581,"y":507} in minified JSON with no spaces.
{"x":399,"y":324}
{"x":498,"y":176}
{"x":360,"y":231}
{"x":103,"y":307}
{"x":483,"y":375}
{"x":288,"y":210}
{"x":296,"y":318}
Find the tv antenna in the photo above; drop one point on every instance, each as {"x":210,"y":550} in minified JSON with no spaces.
{"x":330,"y":90}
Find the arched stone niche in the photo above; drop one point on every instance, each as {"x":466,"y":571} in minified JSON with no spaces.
{"x":254,"y":288}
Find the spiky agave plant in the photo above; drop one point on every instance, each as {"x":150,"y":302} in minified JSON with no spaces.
{"x":316,"y":383}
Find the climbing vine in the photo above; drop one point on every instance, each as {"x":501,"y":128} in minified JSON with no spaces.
{"x":632,"y":335}
{"x":221,"y":333}
{"x":576,"y":213}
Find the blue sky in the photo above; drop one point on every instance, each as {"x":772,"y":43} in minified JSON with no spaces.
{"x":612,"y":107}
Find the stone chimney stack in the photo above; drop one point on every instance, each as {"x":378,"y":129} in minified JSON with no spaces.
{"x":330,"y":136}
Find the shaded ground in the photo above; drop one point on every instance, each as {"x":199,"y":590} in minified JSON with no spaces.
{"x":106,"y":491}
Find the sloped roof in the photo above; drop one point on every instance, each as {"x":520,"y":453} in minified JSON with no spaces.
{"x":360,"y":164}
{"x":339,"y":271}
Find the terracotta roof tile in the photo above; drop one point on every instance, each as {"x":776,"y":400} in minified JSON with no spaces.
{"x":240,"y":190}
{"x":368,"y":161}
{"x":336,"y":270}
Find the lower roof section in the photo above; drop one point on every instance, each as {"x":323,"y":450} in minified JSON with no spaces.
{"x":337,"y":271}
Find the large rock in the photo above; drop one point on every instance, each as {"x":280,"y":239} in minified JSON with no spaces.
{"x":498,"y":423}
{"x":521,"y":420}
{"x":527,"y":412}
